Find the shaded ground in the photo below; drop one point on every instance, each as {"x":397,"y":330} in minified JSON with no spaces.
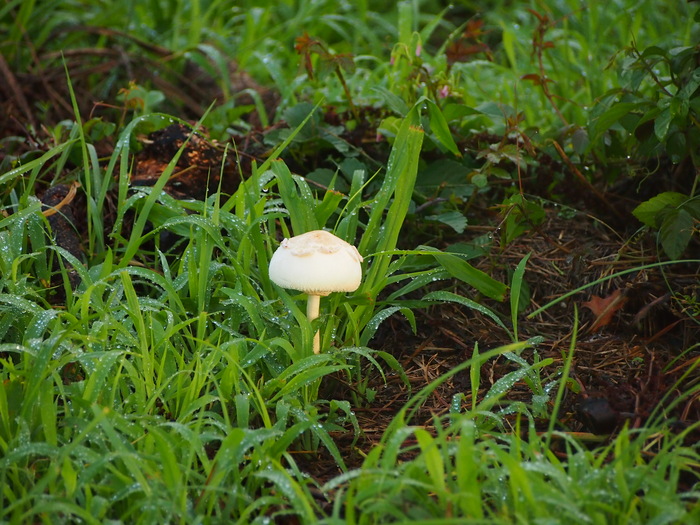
{"x":629,"y":355}
{"x":626,"y":371}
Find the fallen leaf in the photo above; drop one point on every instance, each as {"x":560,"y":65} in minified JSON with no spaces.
{"x":604,"y":308}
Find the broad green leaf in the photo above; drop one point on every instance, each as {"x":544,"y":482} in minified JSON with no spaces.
{"x":466,"y":470}
{"x":47,"y":407}
{"x":389,"y":126}
{"x":648,"y":211}
{"x":102,"y":364}
{"x":406,"y":22}
{"x":690,"y":86}
{"x":458,"y":111}
{"x":692,"y":206}
{"x":447,"y":178}
{"x":662,"y":123}
{"x":676,"y":231}
{"x":454,"y":219}
{"x":393,"y":101}
{"x":611,"y":116}
{"x":677,"y":146}
{"x":679,"y":106}
{"x":654,"y":51}
{"x":506,"y":382}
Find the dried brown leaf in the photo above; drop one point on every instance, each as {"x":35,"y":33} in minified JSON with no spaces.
{"x":604,"y":308}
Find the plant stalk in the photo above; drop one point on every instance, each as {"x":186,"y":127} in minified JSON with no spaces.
{"x":312,"y":308}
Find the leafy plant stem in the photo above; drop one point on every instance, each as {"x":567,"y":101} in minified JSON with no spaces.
{"x":539,"y":44}
{"x":346,"y":89}
{"x":312,"y":308}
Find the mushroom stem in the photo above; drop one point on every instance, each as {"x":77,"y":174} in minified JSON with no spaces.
{"x":312,"y":308}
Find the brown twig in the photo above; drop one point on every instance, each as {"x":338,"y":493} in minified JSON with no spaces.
{"x":13,"y":89}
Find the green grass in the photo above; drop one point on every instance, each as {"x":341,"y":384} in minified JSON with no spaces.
{"x":143,"y":396}
{"x":177,"y":384}
{"x":459,"y":474}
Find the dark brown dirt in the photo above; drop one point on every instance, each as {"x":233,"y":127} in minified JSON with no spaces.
{"x":629,"y":371}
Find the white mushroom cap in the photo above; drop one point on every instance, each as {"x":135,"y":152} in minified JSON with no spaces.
{"x":316,"y":263}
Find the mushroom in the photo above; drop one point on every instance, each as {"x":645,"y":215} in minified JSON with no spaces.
{"x":316,"y":263}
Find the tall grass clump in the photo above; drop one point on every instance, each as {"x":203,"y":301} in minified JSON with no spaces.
{"x":487,"y":463}
{"x":459,"y":473}
{"x":176,"y":380}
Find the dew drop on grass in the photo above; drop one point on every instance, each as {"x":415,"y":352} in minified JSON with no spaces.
{"x":456,"y":404}
{"x":6,"y":251}
{"x":13,"y":348}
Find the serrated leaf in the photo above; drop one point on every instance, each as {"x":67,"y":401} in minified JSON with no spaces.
{"x":691,"y":85}
{"x":611,"y":116}
{"x":648,"y":211}
{"x":453,"y":219}
{"x":662,"y":123}
{"x":298,"y":114}
{"x":679,"y":105}
{"x":692,"y":206}
{"x":445,"y":178}
{"x":676,"y":231}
